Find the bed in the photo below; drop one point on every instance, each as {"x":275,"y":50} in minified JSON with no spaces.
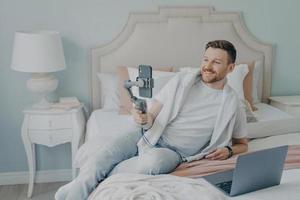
{"x":173,"y":39}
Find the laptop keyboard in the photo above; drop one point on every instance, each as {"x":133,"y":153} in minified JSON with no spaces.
{"x":226,"y":186}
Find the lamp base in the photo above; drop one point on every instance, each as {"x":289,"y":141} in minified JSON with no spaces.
{"x":43,"y":104}
{"x":42,"y":84}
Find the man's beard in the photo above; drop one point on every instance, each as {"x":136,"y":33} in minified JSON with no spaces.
{"x":211,"y":78}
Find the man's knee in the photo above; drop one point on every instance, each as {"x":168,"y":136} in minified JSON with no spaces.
{"x":159,"y":161}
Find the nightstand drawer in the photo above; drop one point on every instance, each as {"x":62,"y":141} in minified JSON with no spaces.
{"x":50,"y":138}
{"x":46,"y":122}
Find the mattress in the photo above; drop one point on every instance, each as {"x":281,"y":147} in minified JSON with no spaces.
{"x":290,"y":182}
{"x":274,"y":141}
{"x":109,"y":124}
{"x":266,"y":112}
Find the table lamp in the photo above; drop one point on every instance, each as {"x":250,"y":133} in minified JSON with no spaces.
{"x":39,"y":53}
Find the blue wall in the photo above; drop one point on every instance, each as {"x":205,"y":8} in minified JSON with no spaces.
{"x":84,"y":24}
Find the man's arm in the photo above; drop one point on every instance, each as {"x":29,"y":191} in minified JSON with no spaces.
{"x":239,"y":139}
{"x":147,"y":119}
{"x":239,"y":145}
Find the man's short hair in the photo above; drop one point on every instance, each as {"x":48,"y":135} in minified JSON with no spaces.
{"x":225,"y":45}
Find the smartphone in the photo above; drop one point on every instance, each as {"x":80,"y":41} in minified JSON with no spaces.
{"x":145,"y":72}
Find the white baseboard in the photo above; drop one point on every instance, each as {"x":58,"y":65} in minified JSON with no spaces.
{"x":12,"y":178}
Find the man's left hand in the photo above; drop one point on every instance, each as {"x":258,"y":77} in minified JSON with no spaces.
{"x":218,"y":154}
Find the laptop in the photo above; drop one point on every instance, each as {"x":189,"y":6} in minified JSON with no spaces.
{"x":253,"y":171}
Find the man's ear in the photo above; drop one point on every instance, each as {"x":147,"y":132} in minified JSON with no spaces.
{"x":231,"y":67}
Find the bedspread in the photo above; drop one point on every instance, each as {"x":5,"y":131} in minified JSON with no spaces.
{"x":204,"y":167}
{"x":175,"y":186}
{"x":158,"y":187}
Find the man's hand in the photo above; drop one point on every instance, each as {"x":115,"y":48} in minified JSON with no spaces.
{"x":139,"y":117}
{"x":218,"y":154}
{"x":239,"y":145}
{"x":147,"y":120}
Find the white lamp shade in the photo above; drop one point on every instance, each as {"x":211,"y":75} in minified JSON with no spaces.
{"x":38,"y":52}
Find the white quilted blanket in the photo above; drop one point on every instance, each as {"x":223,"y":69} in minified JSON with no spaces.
{"x":158,"y":187}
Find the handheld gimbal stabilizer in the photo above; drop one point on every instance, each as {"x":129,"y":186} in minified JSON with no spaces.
{"x":145,"y":83}
{"x":140,"y":104}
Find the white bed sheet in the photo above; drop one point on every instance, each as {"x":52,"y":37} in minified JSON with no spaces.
{"x":107,"y":123}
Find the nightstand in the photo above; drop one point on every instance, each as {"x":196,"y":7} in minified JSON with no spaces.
{"x":289,"y":104}
{"x":50,"y":128}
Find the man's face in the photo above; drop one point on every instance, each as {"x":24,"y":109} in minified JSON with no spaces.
{"x":215,"y":65}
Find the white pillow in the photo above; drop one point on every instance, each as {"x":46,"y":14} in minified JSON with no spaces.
{"x":236,"y":79}
{"x":160,"y":78}
{"x":110,"y":96}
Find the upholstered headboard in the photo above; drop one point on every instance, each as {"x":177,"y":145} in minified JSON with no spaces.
{"x":176,"y":36}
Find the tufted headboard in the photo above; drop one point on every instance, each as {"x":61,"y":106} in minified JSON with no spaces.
{"x":176,"y":36}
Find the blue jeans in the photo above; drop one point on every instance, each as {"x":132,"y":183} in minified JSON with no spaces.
{"x":117,"y":156}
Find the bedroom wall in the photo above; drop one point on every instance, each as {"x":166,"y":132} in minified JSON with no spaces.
{"x":84,"y":24}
